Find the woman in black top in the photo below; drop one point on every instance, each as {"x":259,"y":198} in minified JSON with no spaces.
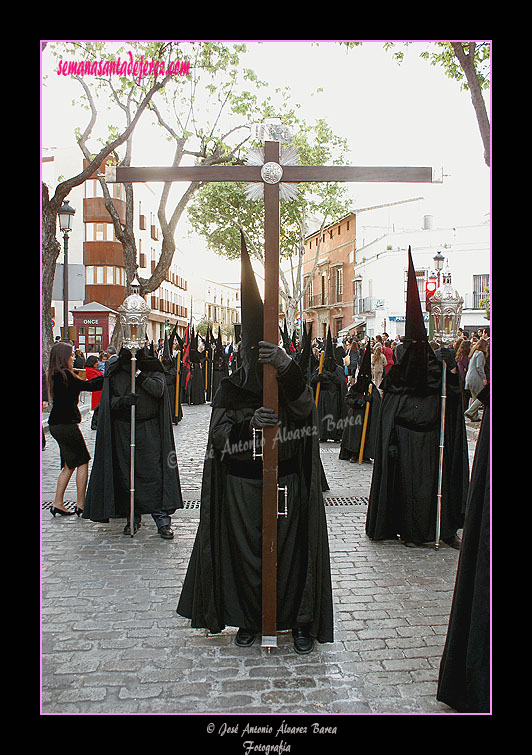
{"x":64,"y":387}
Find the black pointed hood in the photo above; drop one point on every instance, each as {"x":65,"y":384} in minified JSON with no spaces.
{"x":166,"y":358}
{"x":244,"y":386}
{"x":303,"y":358}
{"x":364,"y":372}
{"x":417,"y":371}
{"x":414,"y":326}
{"x":329,"y":362}
{"x":252,"y":309}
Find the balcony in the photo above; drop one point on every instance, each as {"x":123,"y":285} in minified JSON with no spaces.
{"x":364,"y":306}
{"x":317,"y":300}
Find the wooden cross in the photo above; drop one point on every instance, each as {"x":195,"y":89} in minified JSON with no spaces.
{"x":271,"y":173}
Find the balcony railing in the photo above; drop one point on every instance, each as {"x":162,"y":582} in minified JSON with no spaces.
{"x":364,"y":305}
{"x":316,"y":300}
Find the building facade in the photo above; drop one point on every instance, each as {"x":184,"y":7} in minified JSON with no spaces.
{"x":92,"y":242}
{"x":328,"y":300}
{"x":380,"y":273}
{"x":362,"y":291}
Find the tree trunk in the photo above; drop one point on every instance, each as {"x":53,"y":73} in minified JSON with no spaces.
{"x":467,"y":63}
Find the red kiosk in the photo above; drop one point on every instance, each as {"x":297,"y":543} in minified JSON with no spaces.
{"x":94,"y":324}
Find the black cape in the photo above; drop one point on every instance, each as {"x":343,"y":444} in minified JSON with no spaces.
{"x":157,"y":485}
{"x":464,"y":679}
{"x":223,"y":581}
{"x":403,"y":494}
{"x":355,"y":401}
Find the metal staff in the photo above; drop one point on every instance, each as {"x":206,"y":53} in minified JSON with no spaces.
{"x":132,"y":450}
{"x":440,"y":470}
{"x":319,"y":373}
{"x":365,"y":427}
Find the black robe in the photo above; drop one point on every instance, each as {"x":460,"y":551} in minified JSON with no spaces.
{"x":219,"y":371}
{"x":355,"y":401}
{"x":223,"y":581}
{"x":404,"y":485}
{"x":195,"y":390}
{"x":157,"y":485}
{"x":464,"y":679}
{"x":171,"y":384}
{"x":331,"y":402}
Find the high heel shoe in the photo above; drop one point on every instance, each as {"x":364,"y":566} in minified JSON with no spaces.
{"x":54,"y":510}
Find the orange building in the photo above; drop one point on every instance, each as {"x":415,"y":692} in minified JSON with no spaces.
{"x":328,"y":300}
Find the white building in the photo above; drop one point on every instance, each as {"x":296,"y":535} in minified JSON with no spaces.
{"x":380,"y":273}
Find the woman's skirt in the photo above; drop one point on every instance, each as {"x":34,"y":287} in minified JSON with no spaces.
{"x":72,"y":448}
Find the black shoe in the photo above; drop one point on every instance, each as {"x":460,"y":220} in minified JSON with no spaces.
{"x":166,"y":532}
{"x":78,"y":511}
{"x":303,"y":642}
{"x":244,"y":638}
{"x":63,"y":512}
{"x":127,"y":528}
{"x":454,"y":542}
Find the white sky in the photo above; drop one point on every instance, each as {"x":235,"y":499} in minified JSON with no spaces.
{"x":390,"y":114}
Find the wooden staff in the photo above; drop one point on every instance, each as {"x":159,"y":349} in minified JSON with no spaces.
{"x":319,"y":373}
{"x":365,"y":427}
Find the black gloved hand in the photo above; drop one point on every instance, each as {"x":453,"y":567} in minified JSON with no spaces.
{"x":269,"y":353}
{"x":129,"y":399}
{"x":262,"y":418}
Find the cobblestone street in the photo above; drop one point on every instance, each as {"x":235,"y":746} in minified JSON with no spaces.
{"x":113,"y":643}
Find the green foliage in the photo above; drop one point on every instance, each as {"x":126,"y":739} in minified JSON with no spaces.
{"x":219,"y":211}
{"x":442,"y":54}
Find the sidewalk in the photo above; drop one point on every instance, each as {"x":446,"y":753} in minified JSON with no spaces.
{"x":113,"y":643}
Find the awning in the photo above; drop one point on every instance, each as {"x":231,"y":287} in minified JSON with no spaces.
{"x":353,"y":325}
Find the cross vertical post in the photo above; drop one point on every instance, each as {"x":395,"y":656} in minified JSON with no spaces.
{"x":270,"y":400}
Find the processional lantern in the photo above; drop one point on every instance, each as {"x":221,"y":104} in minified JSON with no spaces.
{"x":134,"y":313}
{"x":446,"y":311}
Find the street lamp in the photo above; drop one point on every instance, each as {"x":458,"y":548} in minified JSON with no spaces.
{"x":65,"y":215}
{"x":439,"y":259}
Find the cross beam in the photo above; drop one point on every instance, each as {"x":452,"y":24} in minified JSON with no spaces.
{"x":289,"y":174}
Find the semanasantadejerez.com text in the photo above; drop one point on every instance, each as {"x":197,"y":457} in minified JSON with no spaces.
{"x":137,"y":68}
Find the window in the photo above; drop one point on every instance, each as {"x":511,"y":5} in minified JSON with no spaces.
{"x":480,"y":283}
{"x":339,"y":283}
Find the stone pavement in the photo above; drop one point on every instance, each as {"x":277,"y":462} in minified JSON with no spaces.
{"x":113,"y":643}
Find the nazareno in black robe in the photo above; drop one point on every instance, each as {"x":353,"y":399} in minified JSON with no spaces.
{"x":222,"y":585}
{"x":157,"y":485}
{"x":331,"y":401}
{"x":464,"y":678}
{"x":403,"y":494}
{"x":356,"y":400}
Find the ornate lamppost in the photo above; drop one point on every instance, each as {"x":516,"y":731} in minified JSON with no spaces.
{"x":445,"y":312}
{"x":65,"y":215}
{"x":133,"y":313}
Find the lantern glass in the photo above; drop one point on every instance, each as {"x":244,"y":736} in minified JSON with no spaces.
{"x":446,"y":311}
{"x":65,"y":215}
{"x":134,"y":314}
